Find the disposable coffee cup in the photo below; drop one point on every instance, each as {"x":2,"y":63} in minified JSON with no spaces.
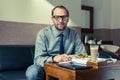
{"x":94,"y":52}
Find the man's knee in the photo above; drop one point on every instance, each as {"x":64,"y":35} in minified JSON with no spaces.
{"x":33,"y":71}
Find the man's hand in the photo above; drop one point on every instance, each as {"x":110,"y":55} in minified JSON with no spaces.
{"x":61,"y":58}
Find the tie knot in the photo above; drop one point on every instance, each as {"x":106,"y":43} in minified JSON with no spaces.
{"x":61,"y":35}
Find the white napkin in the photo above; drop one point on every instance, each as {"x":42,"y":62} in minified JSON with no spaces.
{"x":82,"y":61}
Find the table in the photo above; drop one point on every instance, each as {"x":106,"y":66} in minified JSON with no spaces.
{"x":107,"y":72}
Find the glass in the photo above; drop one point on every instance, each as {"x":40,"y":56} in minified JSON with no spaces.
{"x":94,"y":52}
{"x":64,"y":18}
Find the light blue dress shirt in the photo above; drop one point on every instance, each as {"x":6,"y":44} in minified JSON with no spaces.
{"x":47,"y":44}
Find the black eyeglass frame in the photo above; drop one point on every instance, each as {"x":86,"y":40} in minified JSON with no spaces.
{"x":64,"y":18}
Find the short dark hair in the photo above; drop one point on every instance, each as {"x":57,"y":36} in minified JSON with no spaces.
{"x":60,"y":6}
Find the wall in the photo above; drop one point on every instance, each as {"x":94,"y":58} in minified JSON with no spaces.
{"x":107,"y":13}
{"x":20,"y":20}
{"x":102,"y":13}
{"x":19,"y":33}
{"x":115,"y":14}
{"x":115,"y":21}
{"x":37,"y":11}
{"x":106,"y":19}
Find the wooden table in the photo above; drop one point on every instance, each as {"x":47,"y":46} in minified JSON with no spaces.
{"x":107,"y":72}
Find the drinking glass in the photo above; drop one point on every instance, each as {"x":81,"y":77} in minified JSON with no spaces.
{"x":94,"y":52}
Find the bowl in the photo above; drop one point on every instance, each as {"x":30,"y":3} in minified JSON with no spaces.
{"x":111,"y":48}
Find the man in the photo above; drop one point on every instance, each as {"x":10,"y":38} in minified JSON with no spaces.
{"x":48,"y":49}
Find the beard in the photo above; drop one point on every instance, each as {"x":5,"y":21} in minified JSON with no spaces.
{"x":61,"y":26}
{"x":60,"y":29}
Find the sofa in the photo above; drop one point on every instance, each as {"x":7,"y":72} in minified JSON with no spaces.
{"x":14,"y":59}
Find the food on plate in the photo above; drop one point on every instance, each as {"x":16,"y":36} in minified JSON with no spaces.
{"x":82,"y":56}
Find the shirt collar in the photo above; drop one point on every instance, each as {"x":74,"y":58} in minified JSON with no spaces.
{"x":57,"y":33}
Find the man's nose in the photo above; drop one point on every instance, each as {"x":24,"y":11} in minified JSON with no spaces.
{"x":61,"y":19}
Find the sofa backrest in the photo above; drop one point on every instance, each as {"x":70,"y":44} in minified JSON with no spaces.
{"x":13,"y":57}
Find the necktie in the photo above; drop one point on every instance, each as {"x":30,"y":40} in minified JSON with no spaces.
{"x":61,"y":44}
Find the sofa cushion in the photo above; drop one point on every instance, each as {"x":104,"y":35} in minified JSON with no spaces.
{"x":15,"y":57}
{"x":13,"y":75}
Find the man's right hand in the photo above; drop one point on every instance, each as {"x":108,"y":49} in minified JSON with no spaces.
{"x":61,"y":58}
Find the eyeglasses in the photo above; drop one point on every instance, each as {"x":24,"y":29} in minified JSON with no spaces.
{"x":64,"y":18}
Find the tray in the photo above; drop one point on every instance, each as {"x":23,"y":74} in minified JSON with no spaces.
{"x":99,"y":64}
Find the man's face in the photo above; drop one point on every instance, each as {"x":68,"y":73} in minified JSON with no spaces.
{"x":60,"y":18}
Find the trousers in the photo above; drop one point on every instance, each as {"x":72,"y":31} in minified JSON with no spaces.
{"x":35,"y":72}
